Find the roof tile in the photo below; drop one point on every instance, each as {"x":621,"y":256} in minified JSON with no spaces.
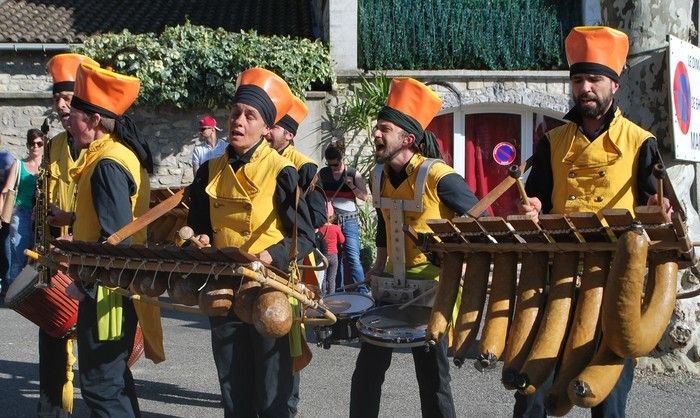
{"x":71,"y":21}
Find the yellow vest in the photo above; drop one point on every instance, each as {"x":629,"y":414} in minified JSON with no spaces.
{"x":296,"y":157}
{"x":61,"y":186}
{"x":433,"y":208}
{"x":87,"y":226}
{"x":242,"y":205}
{"x":590,"y":176}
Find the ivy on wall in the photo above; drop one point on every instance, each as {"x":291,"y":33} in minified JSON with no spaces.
{"x":192,"y":66}
{"x":458,"y":34}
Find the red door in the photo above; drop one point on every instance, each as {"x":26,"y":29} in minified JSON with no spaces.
{"x":492,"y":145}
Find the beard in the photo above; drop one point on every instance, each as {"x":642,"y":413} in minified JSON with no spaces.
{"x":388,"y":155}
{"x":601,"y":106}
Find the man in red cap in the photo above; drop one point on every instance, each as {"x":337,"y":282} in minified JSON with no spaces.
{"x":210,"y":146}
{"x":246,"y":199}
{"x":598,"y":160}
{"x":408,"y":175}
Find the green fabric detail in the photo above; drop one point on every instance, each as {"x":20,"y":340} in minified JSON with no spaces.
{"x":109,"y":314}
{"x":295,"y":332}
{"x":25,"y":188}
{"x":425,"y":271}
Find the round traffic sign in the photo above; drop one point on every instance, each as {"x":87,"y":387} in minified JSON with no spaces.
{"x":681,"y":96}
{"x":504,"y":153}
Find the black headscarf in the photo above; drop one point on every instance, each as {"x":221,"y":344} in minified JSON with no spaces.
{"x":289,"y":124}
{"x":255,"y":96}
{"x":426,"y":142}
{"x":125,"y":130}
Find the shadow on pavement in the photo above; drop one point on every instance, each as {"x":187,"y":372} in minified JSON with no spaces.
{"x":175,"y":395}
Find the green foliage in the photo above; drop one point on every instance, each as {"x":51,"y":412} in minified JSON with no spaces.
{"x":459,"y":34}
{"x":193,"y":66}
{"x":350,"y":117}
{"x":367,"y":220}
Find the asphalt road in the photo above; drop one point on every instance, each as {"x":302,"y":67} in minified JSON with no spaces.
{"x":185,"y":384}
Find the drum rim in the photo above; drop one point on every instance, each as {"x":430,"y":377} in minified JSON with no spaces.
{"x":13,"y":300}
{"x":372,"y":338}
{"x":350,"y":314}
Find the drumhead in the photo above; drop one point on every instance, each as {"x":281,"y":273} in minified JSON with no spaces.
{"x":387,"y":326}
{"x":345,"y":304}
{"x":22,"y":286}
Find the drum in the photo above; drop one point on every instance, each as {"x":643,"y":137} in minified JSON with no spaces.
{"x":50,"y":308}
{"x":347,"y":307}
{"x":387,"y":326}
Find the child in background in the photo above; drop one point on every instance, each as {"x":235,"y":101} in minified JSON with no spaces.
{"x":333,"y":236}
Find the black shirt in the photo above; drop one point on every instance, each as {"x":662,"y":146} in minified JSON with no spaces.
{"x":285,"y":193}
{"x":315,"y":200}
{"x":112,"y":187}
{"x":540,"y":182}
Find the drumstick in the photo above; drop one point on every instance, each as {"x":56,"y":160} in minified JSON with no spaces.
{"x":659,"y":172}
{"x":422,"y":295}
{"x":187,"y":234}
{"x":352,"y":285}
{"x":514,"y":172}
{"x":496,"y":192}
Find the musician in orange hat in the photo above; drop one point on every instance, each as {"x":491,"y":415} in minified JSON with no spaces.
{"x":246,"y":199}
{"x":408,"y":175}
{"x":598,"y":160}
{"x":53,"y":352}
{"x":281,"y":138}
{"x":112,"y":190}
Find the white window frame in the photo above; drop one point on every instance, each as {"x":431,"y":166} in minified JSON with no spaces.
{"x":525,"y":112}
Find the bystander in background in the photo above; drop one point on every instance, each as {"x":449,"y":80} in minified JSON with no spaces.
{"x":210,"y":146}
{"x":333,"y":236}
{"x":22,"y":178}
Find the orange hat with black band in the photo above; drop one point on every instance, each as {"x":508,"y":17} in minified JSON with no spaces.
{"x":295,"y":116}
{"x":596,"y":50}
{"x":412,"y":105}
{"x":63,"y":69}
{"x":265,"y":91}
{"x":98,"y":90}
{"x":110,"y":94}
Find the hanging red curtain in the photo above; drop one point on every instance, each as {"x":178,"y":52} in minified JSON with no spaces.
{"x":443,"y":128}
{"x":492,"y":138}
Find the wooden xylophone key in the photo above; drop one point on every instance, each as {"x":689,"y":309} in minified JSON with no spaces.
{"x":530,"y":298}
{"x":451,"y":269}
{"x":474,"y":289}
{"x":501,"y":299}
{"x":584,"y":330}
{"x":549,"y":341}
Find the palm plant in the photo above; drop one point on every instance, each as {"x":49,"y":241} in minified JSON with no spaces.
{"x":350,"y":116}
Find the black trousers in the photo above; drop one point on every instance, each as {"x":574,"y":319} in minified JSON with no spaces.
{"x":52,"y":375}
{"x":4,"y":262}
{"x":255,"y":372}
{"x":613,"y":406}
{"x":432,"y":371}
{"x":106,"y":383}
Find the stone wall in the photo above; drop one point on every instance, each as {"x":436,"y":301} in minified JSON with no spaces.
{"x":24,"y":73}
{"x":25,"y":101}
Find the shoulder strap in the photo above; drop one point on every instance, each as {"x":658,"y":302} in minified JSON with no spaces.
{"x":19,"y":172}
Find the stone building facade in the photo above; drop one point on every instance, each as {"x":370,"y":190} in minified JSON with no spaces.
{"x":25,"y":101}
